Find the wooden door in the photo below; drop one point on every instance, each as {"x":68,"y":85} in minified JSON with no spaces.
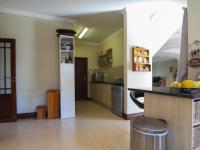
{"x":81,"y":82}
{"x":7,"y":81}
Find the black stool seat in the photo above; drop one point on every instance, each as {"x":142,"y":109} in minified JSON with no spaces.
{"x":136,"y":94}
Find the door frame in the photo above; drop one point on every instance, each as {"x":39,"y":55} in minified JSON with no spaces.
{"x":13,"y":80}
{"x":86,"y":73}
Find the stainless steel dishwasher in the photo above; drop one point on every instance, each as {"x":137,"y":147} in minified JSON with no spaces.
{"x":118,"y":100}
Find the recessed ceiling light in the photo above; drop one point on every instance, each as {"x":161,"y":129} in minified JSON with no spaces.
{"x":83,"y":32}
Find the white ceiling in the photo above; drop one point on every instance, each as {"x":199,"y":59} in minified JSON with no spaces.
{"x":171,"y":49}
{"x":102,"y":25}
{"x":103,"y":16}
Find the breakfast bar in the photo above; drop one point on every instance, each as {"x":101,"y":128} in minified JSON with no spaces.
{"x":180,"y":109}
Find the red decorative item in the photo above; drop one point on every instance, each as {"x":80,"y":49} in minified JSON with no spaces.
{"x":194,"y":62}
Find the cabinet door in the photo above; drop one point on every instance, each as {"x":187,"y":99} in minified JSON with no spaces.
{"x":53,"y":104}
{"x":94,"y":91}
{"x":67,"y":93}
{"x":99,"y":93}
{"x":91,"y":90}
{"x":108,"y":97}
{"x":104,"y":93}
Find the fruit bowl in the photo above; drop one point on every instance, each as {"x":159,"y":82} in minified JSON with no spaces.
{"x":185,"y":90}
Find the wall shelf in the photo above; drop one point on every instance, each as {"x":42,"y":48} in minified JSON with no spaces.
{"x":140,"y":57}
{"x":105,"y":58}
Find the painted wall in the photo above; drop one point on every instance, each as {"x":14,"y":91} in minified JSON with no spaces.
{"x":193,"y":29}
{"x":116,"y":42}
{"x":36,"y":57}
{"x":89,"y":50}
{"x":149,"y":28}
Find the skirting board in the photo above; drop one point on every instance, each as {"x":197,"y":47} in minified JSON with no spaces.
{"x":27,"y":115}
{"x":132,"y":116}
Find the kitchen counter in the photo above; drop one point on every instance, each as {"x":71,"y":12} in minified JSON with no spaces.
{"x":170,"y":92}
{"x":180,"y":109}
{"x":113,"y":83}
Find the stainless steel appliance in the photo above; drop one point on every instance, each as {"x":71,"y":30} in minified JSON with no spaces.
{"x":98,"y":77}
{"x":118,"y":100}
{"x":148,"y":134}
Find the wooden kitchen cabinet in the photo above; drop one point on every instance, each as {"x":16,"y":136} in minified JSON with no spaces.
{"x":181,"y":114}
{"x":53,"y":104}
{"x":107,"y":94}
{"x":101,"y":93}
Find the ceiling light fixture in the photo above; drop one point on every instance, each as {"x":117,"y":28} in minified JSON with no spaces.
{"x":83,"y":32}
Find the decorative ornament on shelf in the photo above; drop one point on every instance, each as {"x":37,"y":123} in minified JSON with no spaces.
{"x":105,"y":58}
{"x":198,"y":76}
{"x":140,"y":58}
{"x":173,"y":71}
{"x":194,"y":60}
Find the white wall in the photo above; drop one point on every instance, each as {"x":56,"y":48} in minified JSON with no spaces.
{"x":193,"y":29}
{"x":36,"y":57}
{"x":150,"y":25}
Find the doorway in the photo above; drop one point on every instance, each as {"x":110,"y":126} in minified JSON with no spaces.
{"x":81,"y":81}
{"x":7,"y":81}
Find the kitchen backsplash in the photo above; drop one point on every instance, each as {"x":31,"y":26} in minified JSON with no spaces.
{"x":109,"y":73}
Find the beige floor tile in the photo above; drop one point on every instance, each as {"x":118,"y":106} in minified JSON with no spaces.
{"x":94,"y":128}
{"x":8,"y":143}
{"x":119,"y":143}
{"x":38,"y":144}
{"x":95,"y":146}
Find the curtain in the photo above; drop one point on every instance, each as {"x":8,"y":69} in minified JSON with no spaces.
{"x":183,"y":60}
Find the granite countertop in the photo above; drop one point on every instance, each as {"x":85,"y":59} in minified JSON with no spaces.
{"x":105,"y":82}
{"x":169,"y":92}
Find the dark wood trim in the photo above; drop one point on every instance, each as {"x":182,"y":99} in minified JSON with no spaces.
{"x":5,"y":67}
{"x":132,"y":116}
{"x":67,"y":32}
{"x":13,"y":79}
{"x":86,"y":59}
{"x":27,"y":115}
{"x":13,"y":116}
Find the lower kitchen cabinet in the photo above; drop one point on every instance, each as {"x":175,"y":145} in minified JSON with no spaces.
{"x":101,"y":93}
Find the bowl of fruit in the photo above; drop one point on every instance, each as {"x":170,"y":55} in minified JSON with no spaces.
{"x":187,"y":86}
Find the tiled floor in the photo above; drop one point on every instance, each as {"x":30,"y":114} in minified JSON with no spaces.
{"x":94,"y":128}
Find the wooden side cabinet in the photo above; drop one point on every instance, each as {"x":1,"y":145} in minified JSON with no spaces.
{"x":53,"y":103}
